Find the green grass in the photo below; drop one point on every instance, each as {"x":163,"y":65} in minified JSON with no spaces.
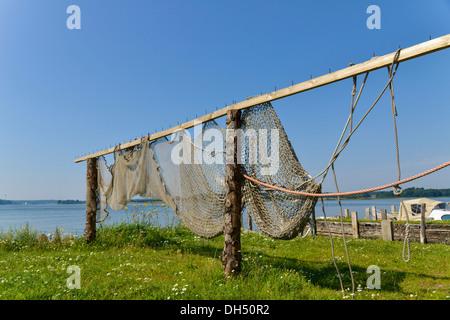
{"x":140,"y":261}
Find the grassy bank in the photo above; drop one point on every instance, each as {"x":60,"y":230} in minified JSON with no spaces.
{"x":139,"y":261}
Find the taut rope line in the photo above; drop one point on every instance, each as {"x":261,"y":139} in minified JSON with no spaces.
{"x":349,"y":193}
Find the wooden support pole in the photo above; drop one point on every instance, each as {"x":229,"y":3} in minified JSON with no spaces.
{"x":423,"y":236}
{"x":354,"y":70}
{"x":355,"y":224}
{"x":91,"y":199}
{"x":374,"y":213}
{"x":231,"y":257}
{"x":393,"y":209}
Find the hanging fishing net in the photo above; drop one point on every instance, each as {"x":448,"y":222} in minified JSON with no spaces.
{"x":277,"y":214}
{"x":188,"y":174}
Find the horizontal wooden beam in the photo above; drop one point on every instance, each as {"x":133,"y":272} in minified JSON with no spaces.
{"x":370,"y":65}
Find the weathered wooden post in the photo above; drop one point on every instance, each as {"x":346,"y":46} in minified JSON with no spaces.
{"x":346,"y":213}
{"x":249,"y":222}
{"x":91,"y":199}
{"x":423,"y":236}
{"x":367,"y":213}
{"x":383,"y":214}
{"x":313,"y":224}
{"x":231,"y":258}
{"x":393,"y":210}
{"x":374,"y":213}
{"x":387,"y":230}
{"x":355,"y":224}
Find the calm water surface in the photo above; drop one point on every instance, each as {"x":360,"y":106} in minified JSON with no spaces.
{"x":70,"y":218}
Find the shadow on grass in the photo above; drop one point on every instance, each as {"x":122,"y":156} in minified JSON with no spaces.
{"x":319,"y":273}
{"x":325,"y":275}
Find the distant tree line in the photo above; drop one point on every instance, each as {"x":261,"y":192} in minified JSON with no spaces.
{"x":17,"y":202}
{"x":80,"y":202}
{"x":415,"y":193}
{"x":70,"y":202}
{"x":406,"y":193}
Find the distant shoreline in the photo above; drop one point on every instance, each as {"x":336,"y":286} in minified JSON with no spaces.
{"x":26,"y":202}
{"x":379,"y":195}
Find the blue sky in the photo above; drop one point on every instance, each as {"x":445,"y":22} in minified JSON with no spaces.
{"x":137,"y":66}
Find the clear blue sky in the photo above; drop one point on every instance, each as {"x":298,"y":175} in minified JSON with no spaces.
{"x":136,"y":66}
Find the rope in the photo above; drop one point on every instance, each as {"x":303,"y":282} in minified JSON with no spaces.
{"x":397,"y":188}
{"x":349,"y":193}
{"x":332,"y":248}
{"x":406,"y":246}
{"x":307,"y":232}
{"x":336,"y":152}
{"x":343,"y":233}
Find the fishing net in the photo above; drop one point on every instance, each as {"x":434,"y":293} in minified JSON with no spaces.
{"x":277,"y":214}
{"x":188,"y":174}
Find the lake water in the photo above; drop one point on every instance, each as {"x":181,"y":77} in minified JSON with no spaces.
{"x":71,"y":218}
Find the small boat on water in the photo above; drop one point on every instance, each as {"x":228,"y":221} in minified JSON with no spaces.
{"x":434,"y":210}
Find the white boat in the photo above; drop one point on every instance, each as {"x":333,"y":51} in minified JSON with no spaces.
{"x":440,"y":214}
{"x":434,"y":210}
